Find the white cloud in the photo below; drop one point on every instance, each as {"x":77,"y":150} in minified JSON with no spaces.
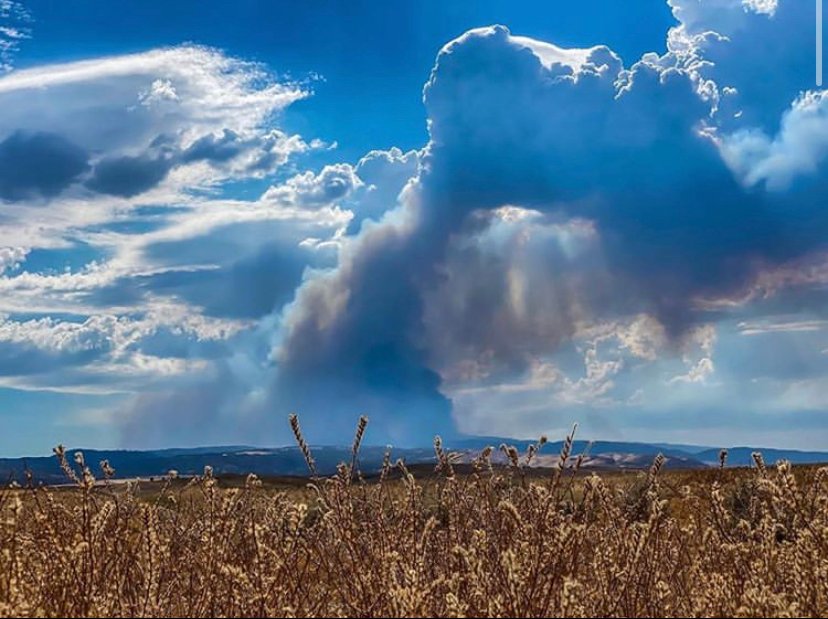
{"x":104,"y":353}
{"x":14,"y":27}
{"x":142,"y":107}
{"x":211,"y":92}
{"x":333,"y":183}
{"x":159,"y":91}
{"x":11,"y":257}
{"x":798,"y":149}
{"x":206,"y":118}
{"x":385,"y":175}
{"x":762,"y":327}
{"x":763,"y":7}
{"x":156,"y":269}
{"x":698,"y":373}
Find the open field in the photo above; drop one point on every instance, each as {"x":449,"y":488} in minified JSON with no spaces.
{"x":476,"y":540}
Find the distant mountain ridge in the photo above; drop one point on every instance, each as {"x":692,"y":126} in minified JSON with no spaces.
{"x":241,"y":459}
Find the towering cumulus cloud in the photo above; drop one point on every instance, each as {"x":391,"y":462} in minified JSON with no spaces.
{"x":560,"y":191}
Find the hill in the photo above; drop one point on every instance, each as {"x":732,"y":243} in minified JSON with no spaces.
{"x":240,"y":459}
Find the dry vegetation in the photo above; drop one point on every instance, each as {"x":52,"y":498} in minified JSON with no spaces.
{"x":490,"y":542}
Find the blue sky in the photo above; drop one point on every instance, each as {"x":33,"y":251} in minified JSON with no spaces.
{"x":487,"y":218}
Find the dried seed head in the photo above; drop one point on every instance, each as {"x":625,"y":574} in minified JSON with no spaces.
{"x":88,"y":478}
{"x":566,"y":448}
{"x":511,"y":453}
{"x":107,"y":469}
{"x":760,"y":462}
{"x":60,"y":453}
{"x":303,"y":446}
{"x":655,"y":468}
{"x":360,"y":431}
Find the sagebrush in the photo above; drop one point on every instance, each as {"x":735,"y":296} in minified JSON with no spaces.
{"x":490,"y":541}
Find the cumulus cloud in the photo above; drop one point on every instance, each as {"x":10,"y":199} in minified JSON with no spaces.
{"x":696,"y":351}
{"x":799,"y":149}
{"x":754,"y":82}
{"x":333,"y":183}
{"x":255,"y":155}
{"x":11,"y":257}
{"x":384,"y":173}
{"x":364,"y":325}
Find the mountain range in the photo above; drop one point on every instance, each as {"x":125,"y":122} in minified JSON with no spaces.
{"x":240,"y":459}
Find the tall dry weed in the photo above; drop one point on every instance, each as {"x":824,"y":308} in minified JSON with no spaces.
{"x":496,"y":541}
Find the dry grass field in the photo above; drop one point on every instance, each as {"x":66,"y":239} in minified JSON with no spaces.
{"x":478,"y":541}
